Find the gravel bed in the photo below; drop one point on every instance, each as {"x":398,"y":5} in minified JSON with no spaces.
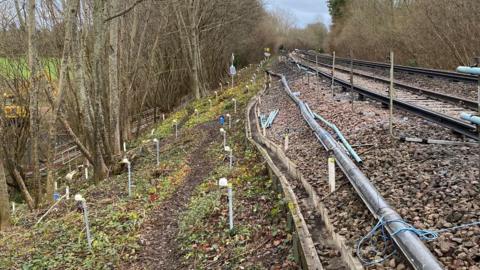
{"x":431,"y":186}
{"x":441,"y":85}
{"x":419,"y":100}
{"x":328,"y":254}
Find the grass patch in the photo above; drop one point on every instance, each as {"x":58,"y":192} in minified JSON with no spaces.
{"x":59,"y":241}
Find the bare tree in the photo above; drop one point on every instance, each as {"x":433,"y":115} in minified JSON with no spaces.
{"x":35,"y":77}
{"x":4,"y":200}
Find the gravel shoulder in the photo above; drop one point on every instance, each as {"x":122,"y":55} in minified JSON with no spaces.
{"x":431,"y":186}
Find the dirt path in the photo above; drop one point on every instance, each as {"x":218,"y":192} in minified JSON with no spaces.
{"x":160,"y":250}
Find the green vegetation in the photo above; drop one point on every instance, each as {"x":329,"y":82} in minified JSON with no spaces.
{"x":59,"y":241}
{"x":18,"y":68}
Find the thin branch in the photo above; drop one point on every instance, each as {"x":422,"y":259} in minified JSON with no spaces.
{"x":121,"y":13}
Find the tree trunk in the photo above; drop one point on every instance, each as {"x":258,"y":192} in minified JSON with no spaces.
{"x":35,"y":74}
{"x":99,"y":29}
{"x":23,"y":189}
{"x":56,"y":102}
{"x":4,"y":200}
{"x":114,"y":82}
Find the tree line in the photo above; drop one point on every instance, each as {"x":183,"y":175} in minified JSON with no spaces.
{"x":89,"y":68}
{"x":438,"y":34}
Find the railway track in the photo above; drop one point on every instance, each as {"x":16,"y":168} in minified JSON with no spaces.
{"x":404,"y":176}
{"x":454,"y":76}
{"x":437,"y":107}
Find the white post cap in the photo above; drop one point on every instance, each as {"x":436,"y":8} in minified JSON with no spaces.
{"x":223,"y":182}
{"x":79,"y":198}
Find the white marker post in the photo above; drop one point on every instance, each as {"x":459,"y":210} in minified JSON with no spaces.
{"x":221,"y":87}
{"x":157,"y":143}
{"x":234,"y":105}
{"x":224,"y":183}
{"x":163,"y":117}
{"x":176,"y":128}
{"x":285,"y":145}
{"x":13,"y":208}
{"x":229,"y":120}
{"x":67,"y":192}
{"x":230,"y":155}
{"x":124,"y":147}
{"x":232,"y":70}
{"x":224,"y":137}
{"x":85,"y":169}
{"x":129,"y":167}
{"x":82,"y":200}
{"x":216,"y":95}
{"x":331,"y":173}
{"x":210,"y":102}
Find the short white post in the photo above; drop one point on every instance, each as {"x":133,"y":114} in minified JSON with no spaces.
{"x":216,"y":95}
{"x":229,"y":120}
{"x":230,"y":156}
{"x":129,"y":167}
{"x":221,"y":87}
{"x":210,"y":102}
{"x":224,"y":183}
{"x":285,"y":146}
{"x":124,"y":147}
{"x":67,"y":192}
{"x":176,"y":128}
{"x":13,"y":207}
{"x":163,"y":117}
{"x":234,"y":105}
{"x":82,"y":200}
{"x":55,"y":186}
{"x":86,"y":171}
{"x":224,"y":137}
{"x":157,"y":143}
{"x":331,"y":173}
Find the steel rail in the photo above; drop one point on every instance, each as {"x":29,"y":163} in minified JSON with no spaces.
{"x":441,"y":119}
{"x":467,"y":103}
{"x":425,"y":71}
{"x":415,"y":251}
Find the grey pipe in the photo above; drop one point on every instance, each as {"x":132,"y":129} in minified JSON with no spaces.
{"x":408,"y":242}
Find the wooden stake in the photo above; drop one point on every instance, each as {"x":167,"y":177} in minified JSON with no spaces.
{"x":333,"y":73}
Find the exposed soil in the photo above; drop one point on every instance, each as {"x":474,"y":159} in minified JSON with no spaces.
{"x":158,"y":237}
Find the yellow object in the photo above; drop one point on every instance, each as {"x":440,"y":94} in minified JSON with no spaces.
{"x":11,"y":108}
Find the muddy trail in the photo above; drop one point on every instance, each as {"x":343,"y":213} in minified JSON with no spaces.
{"x":158,"y":237}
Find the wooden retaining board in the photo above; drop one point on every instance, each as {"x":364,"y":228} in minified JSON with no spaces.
{"x":306,"y":245}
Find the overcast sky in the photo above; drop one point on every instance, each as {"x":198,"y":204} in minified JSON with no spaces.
{"x":304,"y":11}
